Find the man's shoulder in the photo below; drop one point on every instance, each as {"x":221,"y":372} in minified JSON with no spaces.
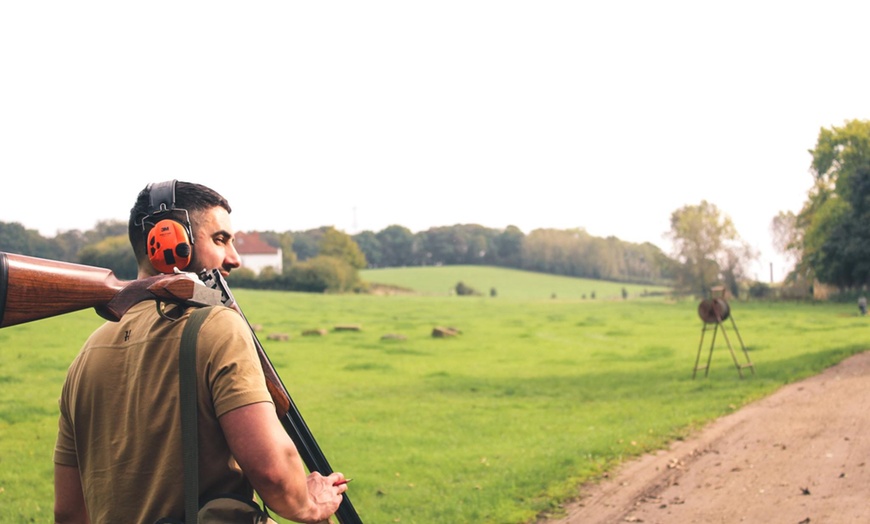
{"x":224,"y":320}
{"x":222,"y":313}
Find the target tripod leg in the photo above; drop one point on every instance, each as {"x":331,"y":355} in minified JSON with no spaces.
{"x":710,"y":355}
{"x":733,"y":355}
{"x":749,"y":363}
{"x":698,"y":356}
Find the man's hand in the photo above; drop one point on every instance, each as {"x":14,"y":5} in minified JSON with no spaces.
{"x":325,"y":492}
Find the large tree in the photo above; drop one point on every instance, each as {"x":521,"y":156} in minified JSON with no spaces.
{"x":370,"y":246}
{"x":835,"y":220}
{"x":397,"y":246}
{"x":509,"y":246}
{"x":708,"y":248}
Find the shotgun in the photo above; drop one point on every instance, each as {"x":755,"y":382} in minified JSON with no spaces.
{"x":34,"y":288}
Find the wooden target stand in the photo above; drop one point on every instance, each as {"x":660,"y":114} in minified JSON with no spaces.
{"x":714,"y":312}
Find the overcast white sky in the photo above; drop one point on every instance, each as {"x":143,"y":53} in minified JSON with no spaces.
{"x":606,"y":116}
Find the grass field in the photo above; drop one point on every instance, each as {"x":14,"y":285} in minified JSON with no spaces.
{"x":507,"y":283}
{"x":495,"y":425}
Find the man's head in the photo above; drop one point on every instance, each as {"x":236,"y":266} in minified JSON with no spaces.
{"x":209,"y":226}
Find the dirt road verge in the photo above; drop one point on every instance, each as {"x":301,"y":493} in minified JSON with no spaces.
{"x":797,"y":456}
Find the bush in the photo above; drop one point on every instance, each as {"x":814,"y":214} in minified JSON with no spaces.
{"x":243,"y":277}
{"x":321,"y":274}
{"x":316,"y":275}
{"x":462,"y":289}
{"x":760,"y":290}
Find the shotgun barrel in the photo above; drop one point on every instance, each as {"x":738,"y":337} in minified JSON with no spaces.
{"x":287,"y":412}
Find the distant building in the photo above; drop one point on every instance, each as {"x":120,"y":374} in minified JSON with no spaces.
{"x":256,"y":254}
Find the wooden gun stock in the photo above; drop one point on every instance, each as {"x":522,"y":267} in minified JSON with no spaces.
{"x":34,"y":288}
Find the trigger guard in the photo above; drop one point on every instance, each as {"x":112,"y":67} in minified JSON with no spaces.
{"x":161,"y":310}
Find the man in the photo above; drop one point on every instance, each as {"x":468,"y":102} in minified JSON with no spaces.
{"x":118,"y":453}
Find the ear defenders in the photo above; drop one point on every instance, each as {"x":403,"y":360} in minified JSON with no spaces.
{"x":170,"y":241}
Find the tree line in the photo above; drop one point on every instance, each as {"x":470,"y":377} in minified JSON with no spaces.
{"x":563,"y":252}
{"x":327,"y":259}
{"x":828,"y":241}
{"x":572,"y":252}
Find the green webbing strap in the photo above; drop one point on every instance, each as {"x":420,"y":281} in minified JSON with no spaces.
{"x":188,"y":396}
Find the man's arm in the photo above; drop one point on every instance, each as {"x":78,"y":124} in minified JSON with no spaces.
{"x":272,"y":463}
{"x":69,"y":500}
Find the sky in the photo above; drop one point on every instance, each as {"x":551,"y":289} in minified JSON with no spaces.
{"x":606,"y":116}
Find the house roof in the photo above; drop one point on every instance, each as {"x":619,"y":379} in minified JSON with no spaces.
{"x":252,"y":244}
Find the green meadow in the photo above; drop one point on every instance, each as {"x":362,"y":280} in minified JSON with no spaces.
{"x":507,"y":283}
{"x":498,"y":424}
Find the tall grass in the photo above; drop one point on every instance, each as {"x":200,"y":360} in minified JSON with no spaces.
{"x":494,"y":425}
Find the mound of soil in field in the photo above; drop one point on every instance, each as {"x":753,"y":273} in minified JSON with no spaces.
{"x":797,"y":456}
{"x":389,"y":289}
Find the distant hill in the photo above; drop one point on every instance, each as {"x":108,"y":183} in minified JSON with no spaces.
{"x":507,"y":283}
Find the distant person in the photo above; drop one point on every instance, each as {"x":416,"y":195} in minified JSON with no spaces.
{"x":862,"y":305}
{"x":118,"y":456}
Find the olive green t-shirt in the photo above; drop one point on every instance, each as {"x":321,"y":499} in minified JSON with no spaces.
{"x":120,"y":418}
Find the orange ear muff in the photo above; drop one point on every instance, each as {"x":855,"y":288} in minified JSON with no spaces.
{"x":169,"y":246}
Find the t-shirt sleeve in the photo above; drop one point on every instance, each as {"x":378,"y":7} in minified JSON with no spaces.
{"x":65,"y":446}
{"x":233,"y":370}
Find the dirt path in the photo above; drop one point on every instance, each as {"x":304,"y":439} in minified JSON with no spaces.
{"x":798,"y":456}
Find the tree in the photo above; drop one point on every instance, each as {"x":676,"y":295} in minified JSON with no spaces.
{"x":284,"y":241}
{"x":834,"y":220}
{"x":397,"y":246}
{"x":14,"y":238}
{"x":562,"y":252}
{"x":340,"y":245}
{"x":786,"y":235}
{"x":306,"y":244}
{"x":509,"y":246}
{"x":112,"y":253}
{"x":733,"y":266}
{"x":707,"y":246}
{"x":370,"y":246}
{"x":105,"y":229}
{"x":436,"y":246}
{"x":69,"y":243}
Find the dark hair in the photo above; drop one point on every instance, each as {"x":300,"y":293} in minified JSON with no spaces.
{"x":195,"y":198}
